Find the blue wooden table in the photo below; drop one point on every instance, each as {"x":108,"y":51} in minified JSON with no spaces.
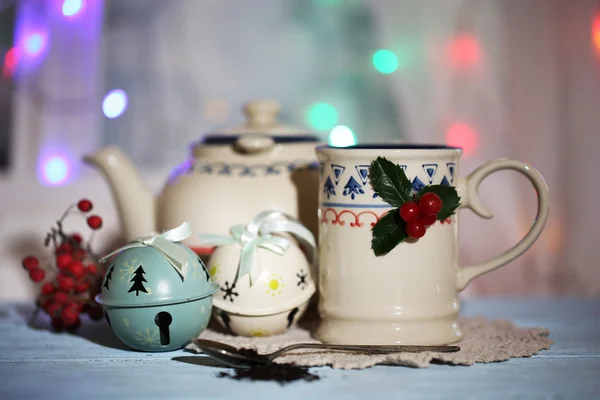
{"x":39,"y":364}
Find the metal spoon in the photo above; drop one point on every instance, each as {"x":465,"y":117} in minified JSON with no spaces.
{"x":234,"y":357}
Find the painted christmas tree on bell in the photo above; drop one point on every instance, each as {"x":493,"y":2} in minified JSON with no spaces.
{"x":138,"y":281}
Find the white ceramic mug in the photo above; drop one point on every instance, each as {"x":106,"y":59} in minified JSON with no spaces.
{"x":410,"y":295}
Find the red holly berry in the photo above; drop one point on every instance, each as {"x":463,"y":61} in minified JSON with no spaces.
{"x":409,"y":211}
{"x":81,"y":287}
{"x":430,"y":203}
{"x":64,"y":247}
{"x":84,"y":205}
{"x":74,"y":305}
{"x":60,"y":297}
{"x":427,"y":219}
{"x":63,"y":260}
{"x":70,"y":316}
{"x":48,"y":288}
{"x":415,"y":229}
{"x":31,"y":262}
{"x":54,"y":309}
{"x":79,"y":254}
{"x":94,"y":222}
{"x":36,"y":275}
{"x":76,"y":237}
{"x":45,"y":304}
{"x":92,"y":269}
{"x":65,"y":283}
{"x":77,"y":269}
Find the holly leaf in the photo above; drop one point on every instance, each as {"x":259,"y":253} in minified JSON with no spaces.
{"x":389,"y":182}
{"x":449,"y":196}
{"x":388,"y":232}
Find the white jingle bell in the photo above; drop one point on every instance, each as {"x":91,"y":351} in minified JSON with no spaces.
{"x":265,"y":279}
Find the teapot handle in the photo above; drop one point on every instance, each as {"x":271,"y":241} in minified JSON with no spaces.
{"x":254,"y":143}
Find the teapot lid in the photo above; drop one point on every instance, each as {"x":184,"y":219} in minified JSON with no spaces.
{"x":261,"y":119}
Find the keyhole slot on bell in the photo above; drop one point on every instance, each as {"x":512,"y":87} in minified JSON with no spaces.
{"x":163,"y":319}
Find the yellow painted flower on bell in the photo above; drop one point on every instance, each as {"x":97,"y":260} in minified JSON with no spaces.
{"x":259,"y":332}
{"x":214,"y":270}
{"x":274,"y":285}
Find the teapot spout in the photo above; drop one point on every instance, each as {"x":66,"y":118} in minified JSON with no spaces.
{"x":135,"y":204}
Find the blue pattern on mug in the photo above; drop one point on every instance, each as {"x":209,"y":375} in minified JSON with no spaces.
{"x":417,"y":184}
{"x":338,"y":171}
{"x":430,"y":170}
{"x":358,"y":182}
{"x":353,"y":188}
{"x":451,"y":168}
{"x":363,"y":173}
{"x":329,"y":188}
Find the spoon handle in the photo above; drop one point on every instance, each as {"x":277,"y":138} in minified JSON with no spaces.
{"x":366,"y":348}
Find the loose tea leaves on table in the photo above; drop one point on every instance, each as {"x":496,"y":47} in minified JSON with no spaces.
{"x":280,"y":373}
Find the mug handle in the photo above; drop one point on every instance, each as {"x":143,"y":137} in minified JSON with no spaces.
{"x":468,"y":189}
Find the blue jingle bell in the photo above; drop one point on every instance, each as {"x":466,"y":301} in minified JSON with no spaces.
{"x":157,"y":293}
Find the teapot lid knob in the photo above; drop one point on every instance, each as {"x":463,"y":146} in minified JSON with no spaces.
{"x":262,"y":112}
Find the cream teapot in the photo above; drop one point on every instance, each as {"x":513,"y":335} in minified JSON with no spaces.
{"x":229,"y":178}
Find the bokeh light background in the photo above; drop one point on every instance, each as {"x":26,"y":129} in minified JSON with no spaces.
{"x":497,"y":78}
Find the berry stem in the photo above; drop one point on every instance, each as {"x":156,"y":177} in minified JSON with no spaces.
{"x":52,"y":236}
{"x":67,"y":211}
{"x":60,"y":231}
{"x":88,"y":247}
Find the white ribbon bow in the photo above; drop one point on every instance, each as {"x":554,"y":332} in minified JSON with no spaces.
{"x":164,"y":243}
{"x":258,"y":233}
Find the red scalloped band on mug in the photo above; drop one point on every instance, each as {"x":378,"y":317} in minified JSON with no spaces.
{"x":356,"y":219}
{"x":330,"y":215}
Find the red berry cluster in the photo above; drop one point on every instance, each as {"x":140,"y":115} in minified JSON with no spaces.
{"x":420,"y":214}
{"x":76,"y":277}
